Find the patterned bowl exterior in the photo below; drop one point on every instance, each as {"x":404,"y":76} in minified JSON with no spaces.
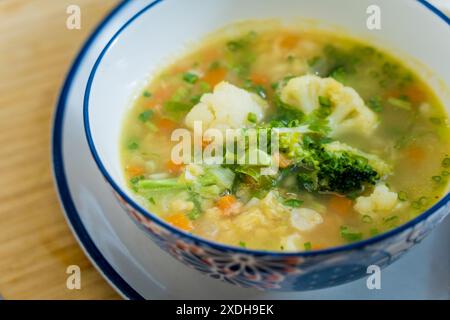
{"x":272,"y":271}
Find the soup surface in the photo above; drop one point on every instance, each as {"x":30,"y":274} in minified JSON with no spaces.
{"x":363,"y":145}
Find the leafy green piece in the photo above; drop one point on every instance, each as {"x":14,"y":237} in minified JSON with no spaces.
{"x":191,"y":78}
{"x":162,"y":184}
{"x":146,"y":115}
{"x":242,"y":244}
{"x":293,"y":203}
{"x":133,"y":145}
{"x":146,"y":94}
{"x":307,"y":246}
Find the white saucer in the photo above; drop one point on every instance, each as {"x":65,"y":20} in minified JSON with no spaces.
{"x":137,"y":269}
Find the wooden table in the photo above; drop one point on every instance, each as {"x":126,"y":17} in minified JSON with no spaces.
{"x":36,"y":245}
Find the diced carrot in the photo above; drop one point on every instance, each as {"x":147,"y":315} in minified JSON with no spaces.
{"x":259,"y":78}
{"x":415,"y":153}
{"x":289,"y":41}
{"x":165,"y":124}
{"x":415,"y":94}
{"x":135,"y":171}
{"x":339,"y":205}
{"x":215,"y":76}
{"x":225,"y":203}
{"x":180,"y":221}
{"x":174,"y":168}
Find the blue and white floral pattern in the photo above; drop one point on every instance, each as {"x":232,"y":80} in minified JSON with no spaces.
{"x":269,"y":271}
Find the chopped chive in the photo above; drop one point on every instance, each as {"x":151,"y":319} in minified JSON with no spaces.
{"x":307,"y":246}
{"x":446,"y":163}
{"x":190,"y":77}
{"x":445,"y":173}
{"x":152,"y":200}
{"x":367,"y":219}
{"x":437,"y":178}
{"x":423,"y":201}
{"x":242,"y":244}
{"x":146,"y":94}
{"x":416,"y":204}
{"x":252,"y":118}
{"x":133,"y":145}
{"x":391,"y":219}
{"x":293,"y":203}
{"x":145,"y":116}
{"x":402,"y":196}
{"x":349,"y":235}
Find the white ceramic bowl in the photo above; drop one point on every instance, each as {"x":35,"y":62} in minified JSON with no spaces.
{"x":409,"y":29}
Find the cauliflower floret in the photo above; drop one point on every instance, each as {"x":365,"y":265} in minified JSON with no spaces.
{"x":227,"y":107}
{"x":305,"y":219}
{"x":381,"y":202}
{"x":375,"y":162}
{"x":349,"y":112}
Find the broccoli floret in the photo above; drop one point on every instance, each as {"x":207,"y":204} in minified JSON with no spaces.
{"x":343,"y":172}
{"x":331,"y":167}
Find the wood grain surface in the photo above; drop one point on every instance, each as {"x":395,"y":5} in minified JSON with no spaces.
{"x":36,"y":245}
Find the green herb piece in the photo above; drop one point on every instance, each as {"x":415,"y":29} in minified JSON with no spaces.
{"x":133,"y":145}
{"x":242,"y":244}
{"x":437,"y":178}
{"x":146,"y":94}
{"x":367,"y":219}
{"x":391,"y":219}
{"x":152,"y":200}
{"x":307,"y":246}
{"x":402,"y":196}
{"x":339,"y":74}
{"x":252,"y":118}
{"x":375,"y":104}
{"x":349,"y":235}
{"x":446,"y":163}
{"x":293,"y":203}
{"x":424,"y":201}
{"x":190,"y":77}
{"x":146,"y":115}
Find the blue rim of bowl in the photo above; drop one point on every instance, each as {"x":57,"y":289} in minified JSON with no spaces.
{"x":78,"y":228}
{"x":215,"y":245}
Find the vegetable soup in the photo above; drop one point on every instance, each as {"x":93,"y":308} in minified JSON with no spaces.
{"x":364,"y":146}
